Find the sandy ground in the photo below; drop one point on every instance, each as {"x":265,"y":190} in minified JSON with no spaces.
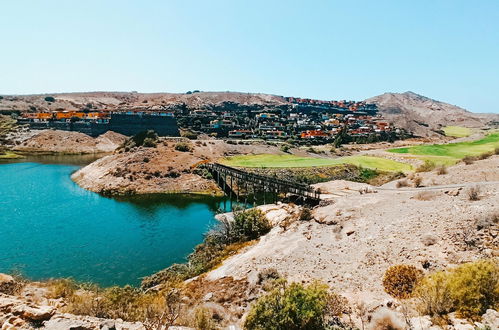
{"x":355,"y":238}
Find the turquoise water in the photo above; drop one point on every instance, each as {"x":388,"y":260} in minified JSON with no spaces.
{"x":50,"y":227}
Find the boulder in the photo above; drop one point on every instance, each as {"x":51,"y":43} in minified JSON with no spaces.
{"x":491,"y":318}
{"x":7,"y":284}
{"x":41,"y":313}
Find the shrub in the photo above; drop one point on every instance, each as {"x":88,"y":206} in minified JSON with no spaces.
{"x":468,"y":160}
{"x":496,"y":150}
{"x":402,"y":183}
{"x":203,"y":320}
{"x":485,"y":155}
{"x":285,"y":148}
{"x":250,"y":224}
{"x":268,"y":274}
{"x":424,"y":195}
{"x":305,"y":214}
{"x":49,"y":99}
{"x":417,"y":181}
{"x":426,"y":167}
{"x":62,"y":288}
{"x":469,"y":289}
{"x":441,"y":170}
{"x":474,"y":193}
{"x":149,"y":143}
{"x":183,"y":147}
{"x":292,"y":306}
{"x":147,"y":138}
{"x":399,"y":281}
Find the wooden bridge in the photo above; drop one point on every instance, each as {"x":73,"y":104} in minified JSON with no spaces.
{"x":241,"y":185}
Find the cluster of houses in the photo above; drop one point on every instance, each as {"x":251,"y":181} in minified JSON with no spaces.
{"x":296,"y":118}
{"x":303,"y":119}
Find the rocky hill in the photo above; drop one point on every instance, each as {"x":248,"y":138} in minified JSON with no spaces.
{"x":424,"y":116}
{"x":129,"y":100}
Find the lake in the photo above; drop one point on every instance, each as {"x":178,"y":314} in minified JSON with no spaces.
{"x":50,"y":227}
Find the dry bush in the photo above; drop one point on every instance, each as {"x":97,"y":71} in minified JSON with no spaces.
{"x":474,"y":193}
{"x":424,"y":196}
{"x":441,"y":170}
{"x":427,"y":166}
{"x":399,"y":281}
{"x":305,"y":214}
{"x":203,"y":320}
{"x":268,"y":274}
{"x":402,"y":183}
{"x":417,"y":181}
{"x":496,"y":150}
{"x":385,"y":319}
{"x":485,"y":155}
{"x":468,"y":160}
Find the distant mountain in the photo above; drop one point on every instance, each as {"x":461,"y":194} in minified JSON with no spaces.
{"x":424,"y":116}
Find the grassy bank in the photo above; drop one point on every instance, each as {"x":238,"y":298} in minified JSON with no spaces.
{"x":291,"y":161}
{"x":457,"y":131}
{"x":10,"y":155}
{"x":451,"y":153}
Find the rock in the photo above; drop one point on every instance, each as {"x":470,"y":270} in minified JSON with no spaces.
{"x":7,"y":284}
{"x":68,"y":324}
{"x":454,"y":192}
{"x":108,"y":325}
{"x":491,"y":318}
{"x":421,"y":323}
{"x":41,"y":313}
{"x":208,"y":296}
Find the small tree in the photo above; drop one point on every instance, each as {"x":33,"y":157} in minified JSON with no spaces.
{"x":290,"y":307}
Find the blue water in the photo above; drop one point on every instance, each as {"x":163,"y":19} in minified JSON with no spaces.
{"x":50,"y":227}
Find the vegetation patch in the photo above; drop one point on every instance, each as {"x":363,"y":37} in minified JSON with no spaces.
{"x":451,"y":153}
{"x":469,"y":289}
{"x":290,"y":161}
{"x":457,"y":131}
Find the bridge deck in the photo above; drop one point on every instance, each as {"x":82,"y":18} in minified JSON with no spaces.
{"x":266,"y":183}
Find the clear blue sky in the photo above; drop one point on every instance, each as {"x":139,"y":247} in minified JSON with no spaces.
{"x":447,"y":50}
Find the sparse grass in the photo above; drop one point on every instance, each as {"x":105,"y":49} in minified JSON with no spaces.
{"x":424,"y":196}
{"x":427,"y":166}
{"x":451,"y":153}
{"x":268,"y":160}
{"x":442,"y":170}
{"x":457,"y":131}
{"x":402,"y":183}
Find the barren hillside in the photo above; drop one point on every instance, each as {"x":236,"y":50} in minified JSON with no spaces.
{"x":124,"y":100}
{"x":424,"y":116}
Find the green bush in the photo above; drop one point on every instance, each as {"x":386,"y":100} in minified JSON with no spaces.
{"x":147,"y":139}
{"x":50,"y":99}
{"x":290,"y":307}
{"x":469,"y":289}
{"x":182,"y":146}
{"x":250,"y":224}
{"x":399,"y":281}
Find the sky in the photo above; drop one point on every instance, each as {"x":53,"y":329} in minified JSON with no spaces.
{"x":324,"y":49}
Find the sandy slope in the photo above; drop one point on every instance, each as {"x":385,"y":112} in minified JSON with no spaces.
{"x":357,"y":237}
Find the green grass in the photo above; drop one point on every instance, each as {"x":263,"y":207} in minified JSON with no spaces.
{"x":267,"y":160}
{"x":451,"y":153}
{"x":457,"y":131}
{"x":10,"y":155}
